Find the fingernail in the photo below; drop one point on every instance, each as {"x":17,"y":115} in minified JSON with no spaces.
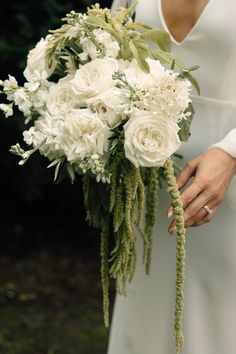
{"x":173,"y":230}
{"x":170,"y":213}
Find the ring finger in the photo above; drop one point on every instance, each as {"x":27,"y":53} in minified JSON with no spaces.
{"x":202,"y":215}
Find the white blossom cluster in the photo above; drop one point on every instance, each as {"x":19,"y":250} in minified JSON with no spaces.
{"x":75,"y":117}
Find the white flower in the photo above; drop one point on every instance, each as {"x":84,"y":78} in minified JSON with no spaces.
{"x":89,"y":48}
{"x":37,"y":61}
{"x":104,"y":38}
{"x":7,"y":109}
{"x":61,"y":97}
{"x":83,"y":135}
{"x":170,"y":96}
{"x":149,"y":140}
{"x":46,"y":135}
{"x":33,"y":137}
{"x":9,"y":87}
{"x":110,"y":106}
{"x":94,"y":78}
{"x":137,"y":77}
{"x":22,"y":100}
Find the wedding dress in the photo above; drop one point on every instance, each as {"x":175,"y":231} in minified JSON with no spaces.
{"x":143,"y":321}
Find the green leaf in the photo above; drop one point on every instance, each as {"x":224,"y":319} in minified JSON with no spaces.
{"x":185,"y":124}
{"x":167,"y":58}
{"x":140,"y":52}
{"x":97,"y":22}
{"x":71,"y":172}
{"x":160,"y":37}
{"x":139,"y":26}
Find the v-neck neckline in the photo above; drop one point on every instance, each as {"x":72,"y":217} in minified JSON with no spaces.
{"x":188,"y":35}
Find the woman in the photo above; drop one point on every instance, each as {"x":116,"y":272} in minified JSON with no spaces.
{"x":202,"y":32}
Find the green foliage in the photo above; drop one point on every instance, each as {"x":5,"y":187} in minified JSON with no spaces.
{"x":185,"y":124}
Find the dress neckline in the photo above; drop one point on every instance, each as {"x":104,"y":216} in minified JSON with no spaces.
{"x":192,"y":30}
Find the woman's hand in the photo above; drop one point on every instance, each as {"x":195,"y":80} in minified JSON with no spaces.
{"x":212,"y":172}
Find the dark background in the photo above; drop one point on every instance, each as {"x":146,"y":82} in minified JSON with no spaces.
{"x":50,"y":295}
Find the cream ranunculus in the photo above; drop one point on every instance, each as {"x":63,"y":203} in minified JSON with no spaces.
{"x":61,"y":97}
{"x":149,"y":140}
{"x":94,"y":78}
{"x":83,"y":135}
{"x":37,"y":61}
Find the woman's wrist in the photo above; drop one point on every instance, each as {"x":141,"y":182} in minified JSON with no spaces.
{"x":228,"y":144}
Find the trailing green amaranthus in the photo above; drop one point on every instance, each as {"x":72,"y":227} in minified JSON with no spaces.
{"x":180,"y":255}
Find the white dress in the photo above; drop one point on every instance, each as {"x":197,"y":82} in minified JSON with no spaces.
{"x":143,"y":321}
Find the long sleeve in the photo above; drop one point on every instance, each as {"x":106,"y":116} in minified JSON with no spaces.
{"x":228,"y":144}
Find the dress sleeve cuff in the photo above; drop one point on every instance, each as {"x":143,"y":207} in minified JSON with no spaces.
{"x":228,"y":144}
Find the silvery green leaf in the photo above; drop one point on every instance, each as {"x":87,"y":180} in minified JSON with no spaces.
{"x":54,"y":162}
{"x":139,"y":26}
{"x":70,"y":171}
{"x":140,"y":52}
{"x":160,"y":37}
{"x":185,"y":124}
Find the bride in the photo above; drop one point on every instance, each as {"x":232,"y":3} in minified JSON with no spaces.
{"x":202,"y":32}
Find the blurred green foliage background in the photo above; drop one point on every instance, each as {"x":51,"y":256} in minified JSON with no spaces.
{"x":50,"y":294}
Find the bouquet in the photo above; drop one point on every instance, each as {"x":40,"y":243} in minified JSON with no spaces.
{"x":105,"y":99}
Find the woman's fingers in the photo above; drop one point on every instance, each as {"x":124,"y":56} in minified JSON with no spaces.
{"x":205,"y":219}
{"x":187,"y":196}
{"x":187,"y":172}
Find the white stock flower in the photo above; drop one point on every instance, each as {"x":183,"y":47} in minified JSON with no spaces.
{"x":83,"y":135}
{"x":89,"y":48}
{"x":37,"y":61}
{"x":22,"y":100}
{"x":46,"y":135}
{"x":7,"y":109}
{"x":10,"y":86}
{"x":94,"y":78}
{"x":104,"y":38}
{"x":61,"y":97}
{"x":149,"y":140}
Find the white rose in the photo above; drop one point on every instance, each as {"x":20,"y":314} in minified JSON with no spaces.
{"x":109,"y":105}
{"x":94,"y":78}
{"x":61,"y":97}
{"x":83,"y":135}
{"x":149,"y":140}
{"x":37,"y":61}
